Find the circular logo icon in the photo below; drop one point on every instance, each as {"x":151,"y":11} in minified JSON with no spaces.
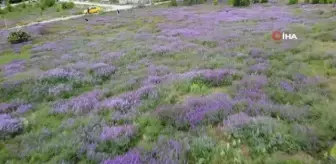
{"x":276,"y":35}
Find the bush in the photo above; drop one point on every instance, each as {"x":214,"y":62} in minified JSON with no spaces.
{"x":291,"y":2}
{"x":266,"y":135}
{"x":3,"y":11}
{"x":315,"y":1}
{"x":18,"y":37}
{"x":173,"y":3}
{"x":67,"y":5}
{"x":9,"y":8}
{"x":264,"y":1}
{"x":47,"y":3}
{"x":255,"y":1}
{"x":215,"y":2}
{"x":306,"y":1}
{"x":192,"y":2}
{"x":15,"y":1}
{"x":201,"y":149}
{"x":241,"y":3}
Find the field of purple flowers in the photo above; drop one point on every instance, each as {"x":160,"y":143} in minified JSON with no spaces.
{"x":200,"y":85}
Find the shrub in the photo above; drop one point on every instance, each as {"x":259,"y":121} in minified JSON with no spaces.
{"x":201,"y":149}
{"x":215,"y":2}
{"x":67,"y":5}
{"x":315,"y":1}
{"x":265,"y":134}
{"x":3,"y":11}
{"x":192,"y":2}
{"x":291,"y":2}
{"x":9,"y":8}
{"x":306,"y":1}
{"x":255,"y":1}
{"x":173,"y":3}
{"x":241,"y":3}
{"x":18,"y":37}
{"x":23,"y":6}
{"x":47,"y":3}
{"x":264,"y":1}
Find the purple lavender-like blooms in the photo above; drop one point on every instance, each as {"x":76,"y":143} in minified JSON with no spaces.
{"x":115,"y":103}
{"x":198,"y":109}
{"x":47,"y":47}
{"x":117,"y":132}
{"x":144,"y":91}
{"x":103,"y":70}
{"x":216,"y":76}
{"x":286,"y":86}
{"x":259,"y":68}
{"x":24,"y":108}
{"x":78,"y":105}
{"x":61,"y":73}
{"x":143,"y":36}
{"x":131,"y":157}
{"x":256,"y":52}
{"x":60,"y":88}
{"x":13,"y":67}
{"x":9,"y":125}
{"x":161,"y":49}
{"x":253,"y":82}
{"x":168,"y":152}
{"x":158,"y":70}
{"x":8,"y":107}
{"x":251,"y":94}
{"x":154,"y":80}
{"x":238,"y":119}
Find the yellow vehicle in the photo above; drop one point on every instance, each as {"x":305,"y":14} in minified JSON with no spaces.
{"x":92,"y":10}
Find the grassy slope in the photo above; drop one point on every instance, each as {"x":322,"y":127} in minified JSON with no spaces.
{"x":44,"y":141}
{"x":32,"y":13}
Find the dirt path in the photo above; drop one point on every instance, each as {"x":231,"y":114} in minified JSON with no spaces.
{"x":108,"y":8}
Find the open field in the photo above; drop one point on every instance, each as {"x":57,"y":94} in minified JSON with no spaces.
{"x":200,"y":85}
{"x":32,"y":13}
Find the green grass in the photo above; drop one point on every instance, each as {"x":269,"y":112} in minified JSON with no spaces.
{"x":10,"y":56}
{"x":45,"y":141}
{"x":32,"y":13}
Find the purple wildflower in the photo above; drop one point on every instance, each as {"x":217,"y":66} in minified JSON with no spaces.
{"x":111,"y":56}
{"x":78,"y":105}
{"x":143,"y":36}
{"x":9,"y":125}
{"x":8,"y":107}
{"x":217,"y":76}
{"x":13,"y":67}
{"x":253,"y":82}
{"x":24,"y":108}
{"x":131,"y":157}
{"x":62,"y":73}
{"x":259,"y":68}
{"x":167,"y":151}
{"x":256,"y":52}
{"x":117,"y":132}
{"x":60,"y":88}
{"x":158,"y":70}
{"x":103,"y":70}
{"x":286,"y":86}
{"x":154,"y":80}
{"x":237,"y":120}
{"x":115,"y":103}
{"x":197,"y":109}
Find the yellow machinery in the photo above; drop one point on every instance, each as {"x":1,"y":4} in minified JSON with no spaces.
{"x":92,"y":10}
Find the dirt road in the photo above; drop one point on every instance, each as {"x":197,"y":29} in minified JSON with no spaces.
{"x":108,"y":8}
